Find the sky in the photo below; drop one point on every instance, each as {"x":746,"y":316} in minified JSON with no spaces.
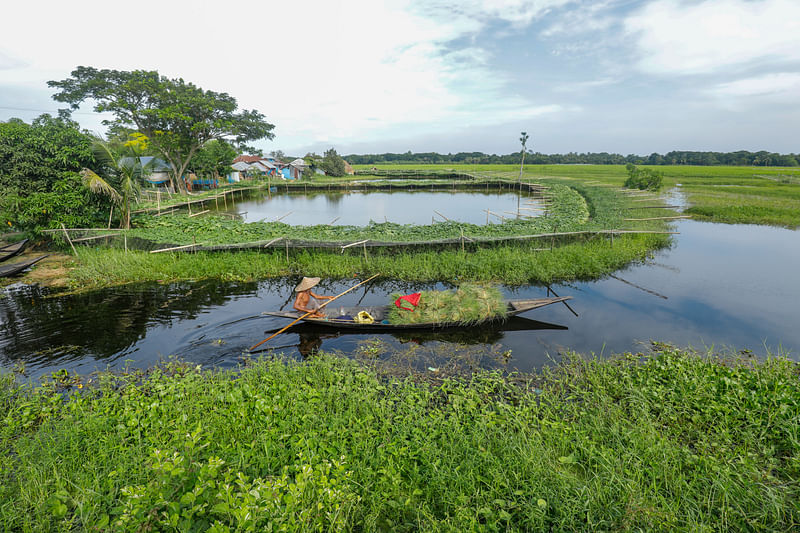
{"x":365,"y":76}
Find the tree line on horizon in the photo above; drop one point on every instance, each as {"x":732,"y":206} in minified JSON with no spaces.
{"x":677,"y":157}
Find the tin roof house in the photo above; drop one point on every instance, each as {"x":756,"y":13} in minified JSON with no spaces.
{"x":295,"y":169}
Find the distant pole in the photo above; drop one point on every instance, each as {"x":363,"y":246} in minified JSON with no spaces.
{"x":524,"y":140}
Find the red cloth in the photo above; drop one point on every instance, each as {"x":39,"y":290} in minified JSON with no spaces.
{"x":413,"y":299}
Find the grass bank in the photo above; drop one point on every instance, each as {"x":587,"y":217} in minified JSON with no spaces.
{"x":670,"y":442}
{"x":576,"y":207}
{"x":510,"y":264}
{"x":569,"y":212}
{"x":735,"y":195}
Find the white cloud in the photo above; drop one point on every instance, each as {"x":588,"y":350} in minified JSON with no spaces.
{"x":783,"y":83}
{"x":320,"y":70}
{"x":675,"y":37}
{"x":520,"y":13}
{"x":778,"y":88}
{"x":582,"y":86}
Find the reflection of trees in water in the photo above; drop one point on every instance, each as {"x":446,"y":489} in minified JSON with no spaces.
{"x":103,"y":322}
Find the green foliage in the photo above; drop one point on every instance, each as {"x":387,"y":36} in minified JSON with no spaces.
{"x":177,"y":117}
{"x":643,"y":178}
{"x":333,"y":164}
{"x":214,"y":159}
{"x":34,"y":157}
{"x":67,"y":202}
{"x":680,"y":157}
{"x":668,"y":442}
{"x":510,"y":264}
{"x":124,"y":171}
{"x":39,"y":184}
{"x":468,"y":304}
{"x":188,"y":494}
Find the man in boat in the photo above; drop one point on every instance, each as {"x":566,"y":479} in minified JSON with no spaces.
{"x":308,"y":301}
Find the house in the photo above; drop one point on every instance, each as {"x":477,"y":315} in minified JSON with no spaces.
{"x":239,"y":171}
{"x":159,"y":170}
{"x":267,"y":166}
{"x":295,"y":169}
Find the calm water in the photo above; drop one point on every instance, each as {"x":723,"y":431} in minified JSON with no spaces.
{"x":358,"y":208}
{"x":725,"y":286}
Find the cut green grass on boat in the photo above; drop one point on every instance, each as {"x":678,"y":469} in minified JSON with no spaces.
{"x":468,"y":304}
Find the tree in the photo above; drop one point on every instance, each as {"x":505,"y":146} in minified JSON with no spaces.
{"x":333,"y":164}
{"x":278,"y":154}
{"x":124,"y":174}
{"x":39,"y":182}
{"x":214,"y":159}
{"x":34,"y":156}
{"x":177,"y":117}
{"x":643,"y":178}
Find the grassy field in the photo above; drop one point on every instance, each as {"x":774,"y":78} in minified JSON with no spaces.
{"x":735,"y":195}
{"x":668,"y":442}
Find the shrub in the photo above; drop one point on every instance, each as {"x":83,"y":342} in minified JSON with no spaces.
{"x":643,"y":178}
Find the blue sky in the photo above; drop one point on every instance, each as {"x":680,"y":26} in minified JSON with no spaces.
{"x":443,"y":75}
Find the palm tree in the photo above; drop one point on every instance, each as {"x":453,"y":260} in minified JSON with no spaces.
{"x":124,"y":172}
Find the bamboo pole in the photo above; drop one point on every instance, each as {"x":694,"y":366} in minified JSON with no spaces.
{"x":200,"y":213}
{"x":310,"y":312}
{"x":441,"y":215}
{"x":68,"y":239}
{"x":174,"y":248}
{"x":272,"y":242}
{"x":93,"y":238}
{"x":654,"y":293}
{"x":80,"y":229}
{"x":549,"y":290}
{"x":110,"y":214}
{"x":354,"y":244}
{"x":658,"y":218}
{"x":655,"y":207}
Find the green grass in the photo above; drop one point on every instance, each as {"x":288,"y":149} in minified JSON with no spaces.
{"x":736,"y":195}
{"x":577,"y":207}
{"x":468,"y":304}
{"x":515,"y":264}
{"x":671,"y":442}
{"x":569,"y":212}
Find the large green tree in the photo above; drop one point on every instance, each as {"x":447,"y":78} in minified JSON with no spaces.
{"x":332,"y":163}
{"x":39,"y":182}
{"x":34,"y":156}
{"x":214,"y":159}
{"x":178,"y":117}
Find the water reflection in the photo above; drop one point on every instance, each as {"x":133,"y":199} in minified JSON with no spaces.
{"x":724,"y":285}
{"x":403,"y":207}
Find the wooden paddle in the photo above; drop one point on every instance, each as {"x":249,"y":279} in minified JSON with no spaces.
{"x":310,"y":313}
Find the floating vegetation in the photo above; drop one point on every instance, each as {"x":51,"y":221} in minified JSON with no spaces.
{"x":469,"y":304}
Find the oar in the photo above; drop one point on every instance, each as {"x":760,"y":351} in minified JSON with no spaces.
{"x":310,"y":312}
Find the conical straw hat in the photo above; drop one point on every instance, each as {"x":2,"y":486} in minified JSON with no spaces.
{"x":306,"y":284}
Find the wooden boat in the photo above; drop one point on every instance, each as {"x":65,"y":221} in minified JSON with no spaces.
{"x":16,"y":268}
{"x":10,"y":250}
{"x":381,"y":314}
